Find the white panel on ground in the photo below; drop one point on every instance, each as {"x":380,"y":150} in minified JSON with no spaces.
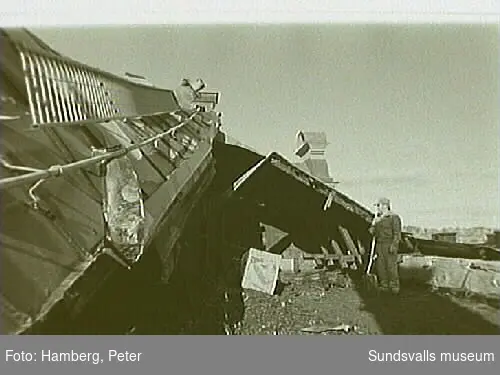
{"x":261,"y":271}
{"x":450,"y":273}
{"x":483,"y":282}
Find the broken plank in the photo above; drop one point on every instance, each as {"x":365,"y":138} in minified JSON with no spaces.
{"x":361,"y":248}
{"x":329,"y":201}
{"x":338,"y":251}
{"x":325,"y":251}
{"x":323,"y":328}
{"x":342,"y":257}
{"x":350,"y":243}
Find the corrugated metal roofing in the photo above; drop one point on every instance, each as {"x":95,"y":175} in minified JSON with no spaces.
{"x":61,"y":89}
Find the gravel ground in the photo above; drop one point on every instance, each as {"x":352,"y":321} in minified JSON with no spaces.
{"x":332,"y":299}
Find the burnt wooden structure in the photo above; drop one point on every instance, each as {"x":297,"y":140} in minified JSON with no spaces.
{"x":97,"y":171}
{"x":112,"y":190}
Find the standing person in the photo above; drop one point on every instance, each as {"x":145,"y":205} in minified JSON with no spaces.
{"x":386,"y":228}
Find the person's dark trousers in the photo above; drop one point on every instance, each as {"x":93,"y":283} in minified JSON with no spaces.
{"x":386,"y":266}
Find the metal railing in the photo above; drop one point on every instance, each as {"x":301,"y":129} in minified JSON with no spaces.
{"x":39,"y":175}
{"x":62,"y":90}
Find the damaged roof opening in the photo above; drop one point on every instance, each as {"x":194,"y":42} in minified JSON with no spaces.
{"x":274,"y":181}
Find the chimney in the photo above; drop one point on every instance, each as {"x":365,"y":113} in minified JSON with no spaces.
{"x":188,"y":92}
{"x":311,"y":147}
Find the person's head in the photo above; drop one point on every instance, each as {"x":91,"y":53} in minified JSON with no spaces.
{"x":383,"y":205}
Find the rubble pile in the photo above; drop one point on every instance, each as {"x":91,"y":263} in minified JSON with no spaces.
{"x":306,"y":303}
{"x":330,"y":303}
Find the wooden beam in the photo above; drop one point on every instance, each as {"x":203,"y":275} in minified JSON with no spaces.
{"x":324,"y":251}
{"x":326,"y":255}
{"x":361,"y":248}
{"x":329,"y":200}
{"x":338,"y":251}
{"x":350,"y":243}
{"x":343,"y":257}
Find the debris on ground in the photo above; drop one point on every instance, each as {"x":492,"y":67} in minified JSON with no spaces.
{"x":323,"y":302}
{"x":304,"y":301}
{"x":345,"y":328}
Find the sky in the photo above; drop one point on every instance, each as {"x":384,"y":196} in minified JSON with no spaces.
{"x":411,"y":111}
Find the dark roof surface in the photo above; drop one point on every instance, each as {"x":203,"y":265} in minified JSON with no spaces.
{"x":252,"y":181}
{"x":44,"y":251}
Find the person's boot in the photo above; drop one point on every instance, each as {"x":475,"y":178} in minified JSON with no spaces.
{"x":394,"y":288}
{"x":383,"y":287}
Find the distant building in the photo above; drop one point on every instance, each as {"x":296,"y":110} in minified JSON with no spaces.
{"x":445,"y":236}
{"x":493,"y":239}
